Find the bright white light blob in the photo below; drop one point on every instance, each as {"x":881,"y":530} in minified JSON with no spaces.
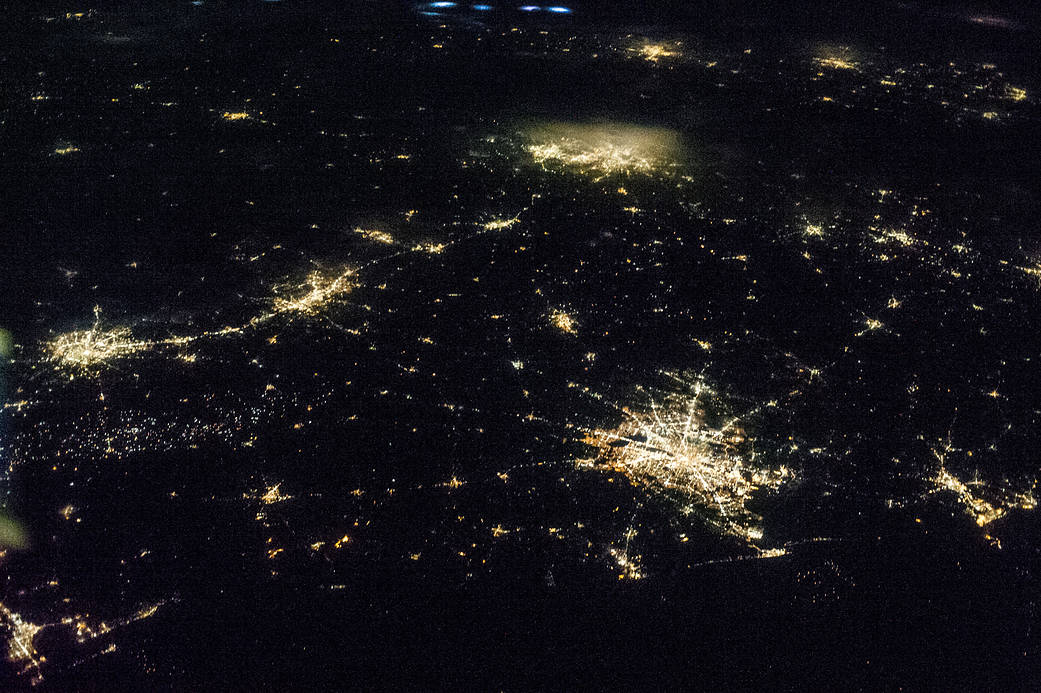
{"x":601,"y":149}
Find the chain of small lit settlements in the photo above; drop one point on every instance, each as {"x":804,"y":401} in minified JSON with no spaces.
{"x":666,"y":446}
{"x":669,"y":447}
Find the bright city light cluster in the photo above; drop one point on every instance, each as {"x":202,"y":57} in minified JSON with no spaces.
{"x":654,"y":51}
{"x":971,"y":496}
{"x":86,"y":348}
{"x":564,"y":321}
{"x":20,"y":649}
{"x":318,"y":291}
{"x":85,"y":351}
{"x":667,"y":444}
{"x":603,"y":149}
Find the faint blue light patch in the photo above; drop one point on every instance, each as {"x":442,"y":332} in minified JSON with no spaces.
{"x":559,"y":9}
{"x":442,"y":4}
{"x":483,"y":8}
{"x":197,"y":3}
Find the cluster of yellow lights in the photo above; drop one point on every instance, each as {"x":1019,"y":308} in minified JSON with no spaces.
{"x":66,"y":149}
{"x":983,"y":511}
{"x":431,"y":248}
{"x":1015,"y":93}
{"x":87,"y":347}
{"x":601,"y":150}
{"x":376,"y":235}
{"x":836,"y":63}
{"x":319,"y":291}
{"x":654,"y":51}
{"x":564,"y":321}
{"x":499,"y":224}
{"x":273,"y":495}
{"x":898,"y":236}
{"x":87,"y":350}
{"x":669,"y":446}
{"x":239,"y":115}
{"x":20,"y":634}
{"x":629,"y":566}
{"x":813,"y":231}
{"x":873,"y":324}
{"x":20,"y":649}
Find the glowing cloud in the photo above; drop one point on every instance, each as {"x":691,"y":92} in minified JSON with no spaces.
{"x":603,"y":149}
